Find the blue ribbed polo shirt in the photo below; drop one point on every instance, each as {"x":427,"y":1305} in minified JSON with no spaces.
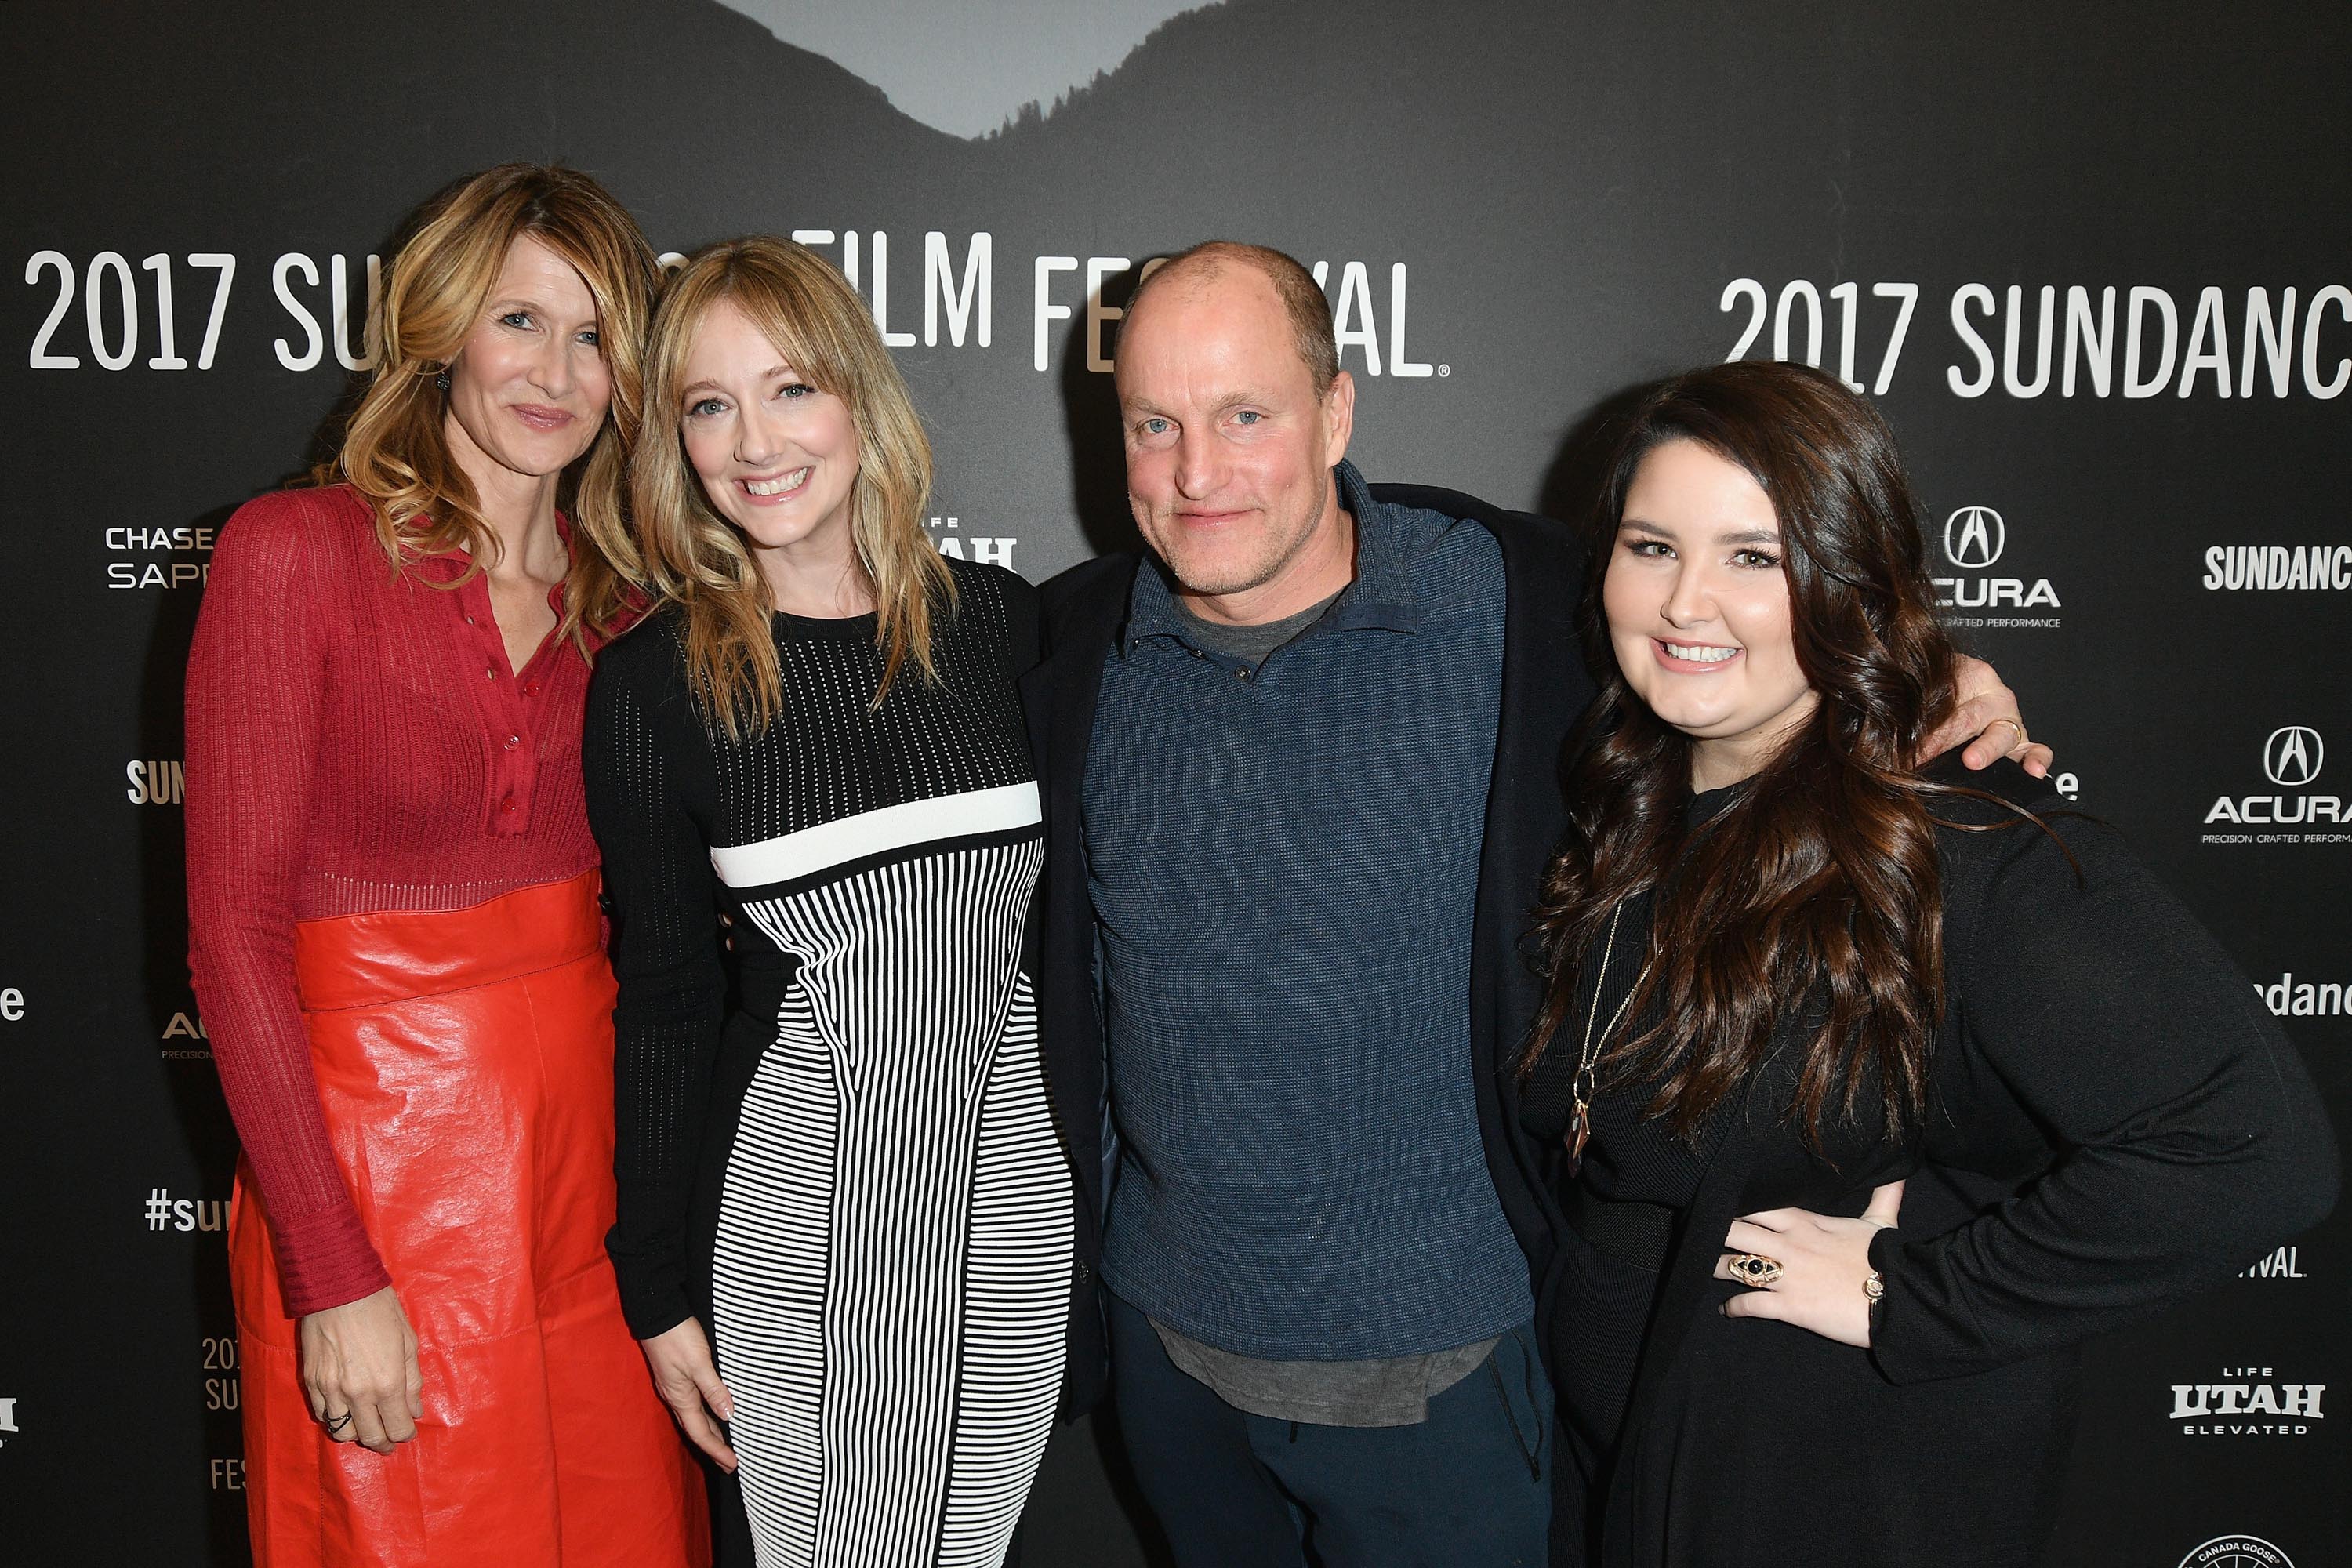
{"x":1283,"y":864}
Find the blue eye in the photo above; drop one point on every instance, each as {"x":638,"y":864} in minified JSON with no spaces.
{"x":795,"y":389}
{"x":1248,"y":417}
{"x":1155,"y":427}
{"x":705,"y":408}
{"x":515,"y":319}
{"x":593,"y":338}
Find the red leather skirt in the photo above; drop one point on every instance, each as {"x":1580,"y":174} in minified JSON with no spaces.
{"x":464,"y":1063}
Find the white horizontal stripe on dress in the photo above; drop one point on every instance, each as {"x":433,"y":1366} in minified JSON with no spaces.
{"x":901,"y":827}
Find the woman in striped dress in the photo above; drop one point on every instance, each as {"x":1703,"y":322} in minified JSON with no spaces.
{"x":845,"y":1223}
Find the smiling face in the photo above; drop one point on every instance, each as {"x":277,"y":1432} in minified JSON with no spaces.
{"x":1698,"y":612}
{"x":777,"y":456}
{"x":528,"y":389}
{"x":1229,"y":448}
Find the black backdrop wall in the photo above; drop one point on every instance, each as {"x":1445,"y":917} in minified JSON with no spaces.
{"x":2093,"y":259}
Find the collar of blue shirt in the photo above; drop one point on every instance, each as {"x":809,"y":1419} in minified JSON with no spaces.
{"x":1379,"y":597}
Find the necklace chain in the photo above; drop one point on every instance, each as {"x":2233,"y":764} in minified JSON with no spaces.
{"x":1586,"y":1082}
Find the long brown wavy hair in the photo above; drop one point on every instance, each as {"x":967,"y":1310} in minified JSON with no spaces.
{"x":1815,"y":891}
{"x":393,"y":451}
{"x":692,"y":556}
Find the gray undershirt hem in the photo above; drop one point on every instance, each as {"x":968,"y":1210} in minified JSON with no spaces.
{"x":1389,"y":1391}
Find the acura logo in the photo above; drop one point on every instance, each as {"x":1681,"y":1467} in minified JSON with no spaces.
{"x":2291,"y":756}
{"x":1974,"y":537}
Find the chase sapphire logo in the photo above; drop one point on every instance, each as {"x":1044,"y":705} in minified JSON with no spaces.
{"x":2292,"y":755}
{"x":1974,"y":537}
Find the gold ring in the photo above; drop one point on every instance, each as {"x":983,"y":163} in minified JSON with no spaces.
{"x":1753,"y":1269}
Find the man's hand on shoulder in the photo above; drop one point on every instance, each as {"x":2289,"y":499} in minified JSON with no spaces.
{"x":1987,"y":719}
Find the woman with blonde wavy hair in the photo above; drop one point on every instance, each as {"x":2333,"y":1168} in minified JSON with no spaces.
{"x":845,"y":1222}
{"x":394,"y":928}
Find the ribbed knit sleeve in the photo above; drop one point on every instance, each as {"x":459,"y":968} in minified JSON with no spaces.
{"x":2189,"y":1136}
{"x":256,"y":677}
{"x":665,"y":956}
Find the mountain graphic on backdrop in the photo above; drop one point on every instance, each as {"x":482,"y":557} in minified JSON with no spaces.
{"x":976,"y":69}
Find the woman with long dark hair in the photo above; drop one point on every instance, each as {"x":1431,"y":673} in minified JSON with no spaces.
{"x":395,"y":931}
{"x":1874,"y":1091}
{"x":845,"y":1220}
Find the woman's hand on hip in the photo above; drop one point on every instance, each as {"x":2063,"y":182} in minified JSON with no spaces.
{"x":358,"y":1369}
{"x":688,"y":1381}
{"x":1824,"y":1267}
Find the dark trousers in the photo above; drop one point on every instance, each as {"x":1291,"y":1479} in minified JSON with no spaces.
{"x":1468,"y":1488}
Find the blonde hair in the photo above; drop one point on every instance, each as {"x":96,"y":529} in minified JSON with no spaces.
{"x":691,"y":556}
{"x":393,"y":450}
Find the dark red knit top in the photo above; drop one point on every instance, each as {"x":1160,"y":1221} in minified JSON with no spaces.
{"x":356,"y":742}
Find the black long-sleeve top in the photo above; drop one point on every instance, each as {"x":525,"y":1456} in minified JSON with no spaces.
{"x":2115,"y":1121}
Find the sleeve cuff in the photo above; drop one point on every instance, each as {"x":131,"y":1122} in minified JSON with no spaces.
{"x":652,"y":1292}
{"x":1887,"y":1349}
{"x":325,"y":1260}
{"x":1917,"y":1339}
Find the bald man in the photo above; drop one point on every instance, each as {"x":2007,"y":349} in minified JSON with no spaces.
{"x":1300,"y":764}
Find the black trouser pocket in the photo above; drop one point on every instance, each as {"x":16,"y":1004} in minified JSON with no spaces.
{"x":1516,"y":1378}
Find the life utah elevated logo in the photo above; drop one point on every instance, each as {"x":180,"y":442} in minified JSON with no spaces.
{"x":2295,"y":809}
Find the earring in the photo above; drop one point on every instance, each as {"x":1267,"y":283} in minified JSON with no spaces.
{"x":441,"y":381}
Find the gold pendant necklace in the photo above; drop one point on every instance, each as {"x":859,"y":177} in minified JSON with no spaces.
{"x":1585,"y":1084}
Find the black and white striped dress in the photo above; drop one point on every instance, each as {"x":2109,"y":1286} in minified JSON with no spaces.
{"x":851,"y":1174}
